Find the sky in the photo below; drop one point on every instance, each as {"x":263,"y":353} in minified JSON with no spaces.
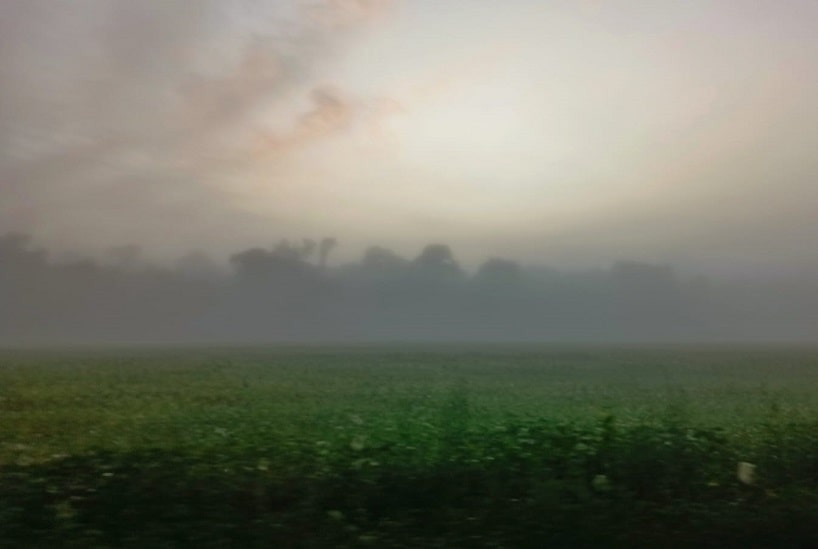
{"x":569,"y":133}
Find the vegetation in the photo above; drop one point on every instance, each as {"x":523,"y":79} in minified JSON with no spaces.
{"x":409,"y":447}
{"x":289,"y":293}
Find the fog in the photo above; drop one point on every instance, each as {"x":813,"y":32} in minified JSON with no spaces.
{"x":646,"y":171}
{"x":296,"y":292}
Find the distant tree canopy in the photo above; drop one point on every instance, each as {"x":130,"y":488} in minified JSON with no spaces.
{"x":283,"y":261}
{"x":499,"y":272}
{"x":437,"y":261}
{"x":379,"y":260}
{"x":289,"y":292}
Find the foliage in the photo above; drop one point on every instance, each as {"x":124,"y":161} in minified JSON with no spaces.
{"x":406,"y":448}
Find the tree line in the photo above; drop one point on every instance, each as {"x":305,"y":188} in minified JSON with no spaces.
{"x":290,"y":293}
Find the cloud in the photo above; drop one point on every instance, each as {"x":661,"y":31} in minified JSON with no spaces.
{"x":664,"y":132}
{"x":330,"y":113}
{"x":151,"y":102}
{"x":342,"y":14}
{"x":212,"y":103}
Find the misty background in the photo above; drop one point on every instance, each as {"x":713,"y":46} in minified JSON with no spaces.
{"x":291,"y":293}
{"x":646,"y":171}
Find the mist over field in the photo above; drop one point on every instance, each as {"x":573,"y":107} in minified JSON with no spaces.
{"x":296,"y":292}
{"x":524,"y":171}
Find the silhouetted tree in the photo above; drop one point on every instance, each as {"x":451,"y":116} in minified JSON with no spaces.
{"x":255,"y":263}
{"x":498,"y":272}
{"x":380,"y":261}
{"x":437,"y":261}
{"x":278,"y":293}
{"x":284,"y":261}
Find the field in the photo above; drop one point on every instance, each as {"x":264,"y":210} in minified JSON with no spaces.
{"x":388,"y":446}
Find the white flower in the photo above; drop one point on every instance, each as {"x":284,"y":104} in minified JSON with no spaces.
{"x":746,"y":472}
{"x":601,"y":483}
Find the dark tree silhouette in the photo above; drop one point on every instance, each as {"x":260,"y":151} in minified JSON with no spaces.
{"x":498,"y":272}
{"x":379,"y":261}
{"x":284,"y":264}
{"x":437,"y":261}
{"x":285,"y":293}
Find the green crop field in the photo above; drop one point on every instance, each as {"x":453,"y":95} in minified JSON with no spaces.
{"x":388,"y":446}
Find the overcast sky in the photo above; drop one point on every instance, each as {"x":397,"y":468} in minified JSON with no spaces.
{"x":569,"y":133}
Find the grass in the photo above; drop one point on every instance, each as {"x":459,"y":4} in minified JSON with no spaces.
{"x":408,"y":447}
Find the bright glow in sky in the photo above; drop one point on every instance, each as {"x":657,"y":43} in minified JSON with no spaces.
{"x":566,"y":132}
